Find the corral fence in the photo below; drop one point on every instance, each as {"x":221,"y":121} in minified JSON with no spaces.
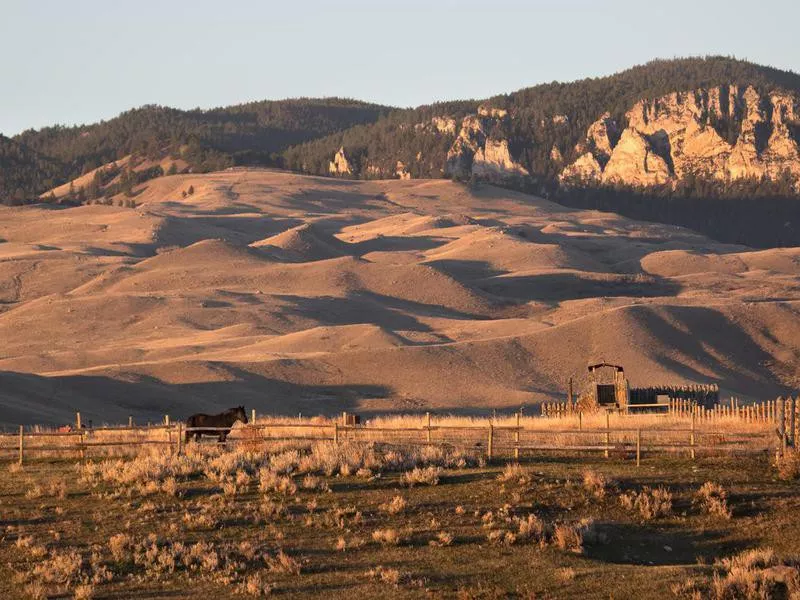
{"x":759,"y":412}
{"x":631,"y":436}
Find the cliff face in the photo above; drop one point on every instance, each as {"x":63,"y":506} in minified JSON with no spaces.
{"x":340,"y":165}
{"x":668,"y":138}
{"x":476,"y":151}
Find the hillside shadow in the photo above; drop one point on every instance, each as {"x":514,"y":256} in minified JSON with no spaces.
{"x":353,"y":310}
{"x":721,"y":338}
{"x":556,"y":287}
{"x":465,"y":270}
{"x":32,"y":399}
{"x":396,"y":243}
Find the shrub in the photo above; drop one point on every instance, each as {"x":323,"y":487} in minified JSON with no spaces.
{"x":395,"y":506}
{"x":513,"y":472}
{"x":788,"y":465}
{"x":713,"y":500}
{"x":386,"y":575}
{"x":568,"y":537}
{"x":387,"y":537}
{"x":256,"y":585}
{"x":650,"y":503}
{"x":283,"y":563}
{"x":595,"y":483}
{"x":422,"y":476}
{"x":120,"y":546}
{"x":443,"y":538}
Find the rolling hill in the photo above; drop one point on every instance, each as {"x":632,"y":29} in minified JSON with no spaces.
{"x":292,"y":293}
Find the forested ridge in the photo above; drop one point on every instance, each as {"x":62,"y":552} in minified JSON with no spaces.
{"x":205,"y":140}
{"x":532,"y":130}
{"x":545,"y":123}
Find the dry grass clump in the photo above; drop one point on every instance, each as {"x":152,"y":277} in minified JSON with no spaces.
{"x":395,"y":506}
{"x":757,"y":574}
{"x":788,"y":465}
{"x":387,"y":537}
{"x":270,"y":481}
{"x":283,"y":563}
{"x":422,"y":476}
{"x":713,"y":500}
{"x":514,"y":472}
{"x":121,"y":547}
{"x":568,"y":537}
{"x":385,"y":575}
{"x":443,"y":538}
{"x":256,"y":585}
{"x":650,"y":503}
{"x":84,"y":591}
{"x":565,"y":574}
{"x":595,"y":483}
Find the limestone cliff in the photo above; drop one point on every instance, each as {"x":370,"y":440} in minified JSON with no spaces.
{"x":476,"y":152}
{"x":670,"y":137}
{"x":340,"y":165}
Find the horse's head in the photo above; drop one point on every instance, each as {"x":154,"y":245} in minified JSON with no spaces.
{"x":241,"y":415}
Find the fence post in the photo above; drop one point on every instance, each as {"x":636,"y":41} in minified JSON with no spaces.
{"x":21,"y":443}
{"x":180,"y":438}
{"x":336,"y":432}
{"x":516,"y":438}
{"x":569,"y":398}
{"x":78,"y":421}
{"x":691,"y":440}
{"x":80,"y":441}
{"x":638,"y":446}
{"x":792,"y":409}
{"x":428,"y":426}
{"x":253,"y":416}
{"x":130,"y":422}
{"x":169,"y":439}
{"x":490,"y":448}
{"x":580,"y":420}
{"x":782,"y":422}
{"x":608,"y":435}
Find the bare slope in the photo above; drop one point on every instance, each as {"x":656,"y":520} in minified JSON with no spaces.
{"x":290,"y":293}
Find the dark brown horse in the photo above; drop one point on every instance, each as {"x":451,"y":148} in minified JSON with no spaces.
{"x":218,"y":425}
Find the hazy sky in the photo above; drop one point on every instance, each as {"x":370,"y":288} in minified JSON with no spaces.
{"x":83,"y":60}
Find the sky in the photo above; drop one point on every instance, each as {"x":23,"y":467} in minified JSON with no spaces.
{"x":86,"y":60}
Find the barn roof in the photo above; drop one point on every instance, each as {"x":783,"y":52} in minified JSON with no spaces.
{"x":592,"y":367}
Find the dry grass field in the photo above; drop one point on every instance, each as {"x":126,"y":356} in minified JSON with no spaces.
{"x":327,"y":520}
{"x":294,"y":294}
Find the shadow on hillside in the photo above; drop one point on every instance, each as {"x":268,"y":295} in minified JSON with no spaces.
{"x":556,"y":287}
{"x":32,"y":399}
{"x":465,"y":270}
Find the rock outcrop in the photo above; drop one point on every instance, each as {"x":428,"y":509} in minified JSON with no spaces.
{"x":401,"y":171}
{"x":476,"y":152}
{"x":340,"y":165}
{"x":673,"y":136}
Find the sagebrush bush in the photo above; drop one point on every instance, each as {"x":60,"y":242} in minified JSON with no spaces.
{"x":650,"y":503}
{"x":595,"y":483}
{"x":788,"y":465}
{"x":713,"y":500}
{"x":422,"y":476}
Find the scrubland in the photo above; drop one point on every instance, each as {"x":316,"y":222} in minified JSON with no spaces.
{"x":302,"y":520}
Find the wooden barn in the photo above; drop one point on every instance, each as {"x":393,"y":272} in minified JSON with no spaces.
{"x":608,"y":387}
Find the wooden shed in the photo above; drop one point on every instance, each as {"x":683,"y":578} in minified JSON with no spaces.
{"x":608,"y":387}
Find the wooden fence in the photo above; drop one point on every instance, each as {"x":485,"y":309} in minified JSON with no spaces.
{"x":760,"y":412}
{"x":491,"y":440}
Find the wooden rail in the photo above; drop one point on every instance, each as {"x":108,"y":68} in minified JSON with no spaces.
{"x":492,"y":440}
